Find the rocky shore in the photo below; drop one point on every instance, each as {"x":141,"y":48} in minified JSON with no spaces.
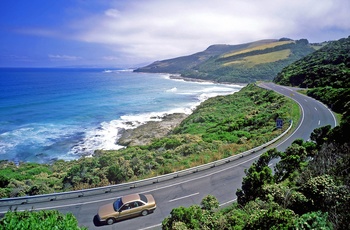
{"x":143,"y":134}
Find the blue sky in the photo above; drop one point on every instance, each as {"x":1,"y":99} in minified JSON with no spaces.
{"x":128,"y":33}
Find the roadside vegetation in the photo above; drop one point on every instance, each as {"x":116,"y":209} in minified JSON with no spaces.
{"x":41,"y":220}
{"x":309,"y":187}
{"x":220,"y":127}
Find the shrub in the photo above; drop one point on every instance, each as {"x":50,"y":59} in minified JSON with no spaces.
{"x":42,"y":220}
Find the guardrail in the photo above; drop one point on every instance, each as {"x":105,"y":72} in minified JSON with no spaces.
{"x":134,"y":184}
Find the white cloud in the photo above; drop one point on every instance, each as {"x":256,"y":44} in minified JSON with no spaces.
{"x":63,"y":57}
{"x":157,"y":29}
{"x":110,"y":58}
{"x":114,"y":13}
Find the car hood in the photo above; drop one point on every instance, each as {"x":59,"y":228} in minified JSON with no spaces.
{"x":106,"y":210}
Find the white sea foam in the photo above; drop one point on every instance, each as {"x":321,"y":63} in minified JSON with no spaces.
{"x":37,"y":138}
{"x":106,"y":135}
{"x":173,"y":90}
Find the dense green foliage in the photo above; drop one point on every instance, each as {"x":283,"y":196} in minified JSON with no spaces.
{"x":326,"y":72}
{"x":218,"y":128}
{"x":41,"y":220}
{"x":217,"y":66}
{"x":256,"y":214}
{"x":310,"y":189}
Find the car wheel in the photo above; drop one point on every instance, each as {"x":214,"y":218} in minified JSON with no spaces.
{"x":144,"y":213}
{"x":110,"y":221}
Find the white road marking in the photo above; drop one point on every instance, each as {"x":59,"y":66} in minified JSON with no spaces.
{"x":319,"y":122}
{"x":315,"y":108}
{"x":151,"y":227}
{"x":228,"y":202}
{"x":183,"y":197}
{"x":305,"y":100}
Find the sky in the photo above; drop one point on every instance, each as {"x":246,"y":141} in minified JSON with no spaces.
{"x":132,"y":33}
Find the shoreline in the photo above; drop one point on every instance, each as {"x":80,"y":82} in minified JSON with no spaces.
{"x":144,"y":134}
{"x":179,"y":77}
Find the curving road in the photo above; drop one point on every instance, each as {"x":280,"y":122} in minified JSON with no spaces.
{"x":221,"y":181}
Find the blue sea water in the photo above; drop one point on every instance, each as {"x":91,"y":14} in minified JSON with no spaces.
{"x":48,"y":114}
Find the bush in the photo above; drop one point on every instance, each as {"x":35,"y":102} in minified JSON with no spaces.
{"x":313,"y":220}
{"x":42,"y":220}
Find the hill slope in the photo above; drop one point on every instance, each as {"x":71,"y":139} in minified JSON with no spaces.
{"x":327,"y":71}
{"x":260,"y":60}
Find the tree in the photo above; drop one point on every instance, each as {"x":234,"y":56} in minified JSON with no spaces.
{"x":313,"y":220}
{"x":189,"y":217}
{"x":324,"y":193}
{"x":195,"y":217}
{"x":269,"y":215}
{"x":319,"y":135}
{"x":292,"y":160}
{"x":286,"y":197}
{"x":258,"y":175}
{"x":210,"y":203}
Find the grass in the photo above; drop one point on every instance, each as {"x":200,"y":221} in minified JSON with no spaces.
{"x":254,"y":60}
{"x":260,"y":47}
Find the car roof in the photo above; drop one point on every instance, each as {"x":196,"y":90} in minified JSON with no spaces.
{"x":130,"y":198}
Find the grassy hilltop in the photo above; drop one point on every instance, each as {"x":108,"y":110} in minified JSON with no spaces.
{"x":244,"y":63}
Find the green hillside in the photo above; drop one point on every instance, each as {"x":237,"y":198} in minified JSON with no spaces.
{"x":326,"y":72}
{"x":244,"y":63}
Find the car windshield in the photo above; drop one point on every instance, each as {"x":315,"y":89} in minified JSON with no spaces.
{"x":117,"y":204}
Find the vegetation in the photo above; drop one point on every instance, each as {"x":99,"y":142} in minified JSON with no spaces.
{"x":44,"y":220}
{"x":218,"y":128}
{"x":244,"y":63}
{"x":309,"y":187}
{"x":326,"y":73}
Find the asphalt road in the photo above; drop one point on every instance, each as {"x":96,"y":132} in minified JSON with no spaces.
{"x":221,"y":181}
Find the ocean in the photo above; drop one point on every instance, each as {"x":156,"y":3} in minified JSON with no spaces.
{"x":65,"y":113}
